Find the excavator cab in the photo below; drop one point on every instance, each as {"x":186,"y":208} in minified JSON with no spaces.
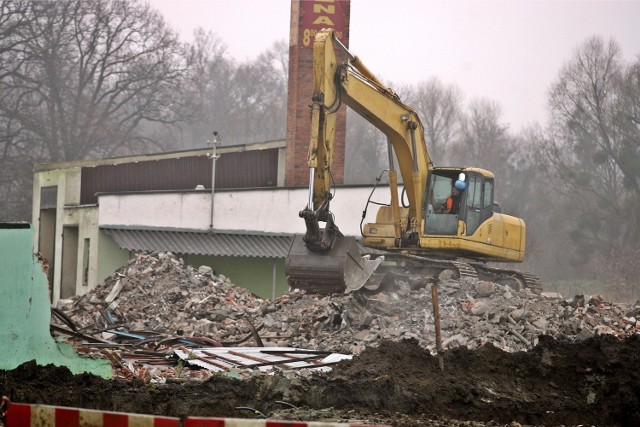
{"x":477,"y":229}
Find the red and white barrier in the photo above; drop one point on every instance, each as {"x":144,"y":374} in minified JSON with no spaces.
{"x":21,"y":415}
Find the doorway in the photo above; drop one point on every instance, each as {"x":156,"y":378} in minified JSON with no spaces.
{"x":69,"y":274}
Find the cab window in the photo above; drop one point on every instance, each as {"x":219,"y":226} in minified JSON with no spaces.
{"x":488,"y":194}
{"x":439,"y":191}
{"x":436,"y":222}
{"x":474,"y":193}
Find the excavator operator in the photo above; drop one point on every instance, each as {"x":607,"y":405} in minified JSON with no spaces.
{"x":450,"y":206}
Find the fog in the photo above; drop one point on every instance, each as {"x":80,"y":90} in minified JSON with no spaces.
{"x":508,"y":51}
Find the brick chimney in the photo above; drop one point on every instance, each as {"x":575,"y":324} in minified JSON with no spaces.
{"x":307,"y":18}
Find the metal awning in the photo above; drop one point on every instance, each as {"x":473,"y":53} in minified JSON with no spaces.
{"x":245,"y":244}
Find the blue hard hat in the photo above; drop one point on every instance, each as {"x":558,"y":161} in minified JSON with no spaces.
{"x":460,"y":185}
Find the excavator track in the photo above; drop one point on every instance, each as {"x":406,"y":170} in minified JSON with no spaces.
{"x":421,"y":269}
{"x":465,"y":270}
{"x":338,"y":271}
{"x":516,"y":278}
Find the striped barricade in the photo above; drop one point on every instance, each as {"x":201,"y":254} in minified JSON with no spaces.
{"x":20,"y":415}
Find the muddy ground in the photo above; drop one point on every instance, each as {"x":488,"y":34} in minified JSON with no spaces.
{"x":594,"y":382}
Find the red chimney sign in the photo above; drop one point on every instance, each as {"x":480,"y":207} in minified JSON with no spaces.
{"x":319,"y":14}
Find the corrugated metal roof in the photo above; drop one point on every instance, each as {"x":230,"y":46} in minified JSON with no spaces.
{"x":245,"y":169}
{"x":202,"y":243}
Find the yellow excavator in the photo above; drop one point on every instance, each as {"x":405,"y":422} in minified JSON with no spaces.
{"x":449,"y":223}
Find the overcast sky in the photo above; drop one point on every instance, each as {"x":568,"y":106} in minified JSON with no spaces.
{"x":507,"y":51}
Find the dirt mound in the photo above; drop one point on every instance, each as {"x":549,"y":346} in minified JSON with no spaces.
{"x":594,"y":382}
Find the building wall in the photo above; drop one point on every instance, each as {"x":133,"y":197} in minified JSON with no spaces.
{"x":111,"y":255}
{"x":254,"y":274}
{"x":67,"y":182}
{"x":79,"y":223}
{"x":69,"y":234}
{"x":87,"y":256}
{"x":188,"y":210}
{"x":259,"y":210}
{"x":242,"y":169}
{"x":24,"y":309}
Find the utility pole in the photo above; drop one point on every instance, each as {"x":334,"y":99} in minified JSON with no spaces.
{"x":214,"y":142}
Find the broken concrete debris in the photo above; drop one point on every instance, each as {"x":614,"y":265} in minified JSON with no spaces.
{"x":157,"y":305}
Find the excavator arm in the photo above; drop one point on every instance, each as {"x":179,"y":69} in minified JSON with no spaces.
{"x":324,"y":259}
{"x":352,"y":84}
{"x":320,"y":160}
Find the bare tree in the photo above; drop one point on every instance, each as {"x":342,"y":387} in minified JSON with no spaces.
{"x":208,"y":88}
{"x":483,"y":140}
{"x":627,"y":120}
{"x":95,"y":72}
{"x":366,"y":151}
{"x":243,"y":102}
{"x":592,"y":144}
{"x":583,"y":140}
{"x":16,"y":17}
{"x":78,"y":80}
{"x":259,"y":93}
{"x":439,"y":108}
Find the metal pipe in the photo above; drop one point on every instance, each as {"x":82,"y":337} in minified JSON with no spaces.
{"x":412,"y":127}
{"x":436,"y":317}
{"x":416,"y":179}
{"x":343,"y":47}
{"x":312,"y":172}
{"x":273,"y":280}
{"x":390,"y":153}
{"x":395,"y":204}
{"x":214,"y":156}
{"x":393,"y":186}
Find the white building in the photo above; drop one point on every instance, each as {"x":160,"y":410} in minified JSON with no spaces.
{"x":90,"y":217}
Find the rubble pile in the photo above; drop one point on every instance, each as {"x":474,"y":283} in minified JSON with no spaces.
{"x":472,"y":313}
{"x":158,"y":293}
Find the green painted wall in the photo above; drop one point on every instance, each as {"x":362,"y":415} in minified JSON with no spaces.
{"x":25,"y":312}
{"x":111,"y":257}
{"x":255,"y":274}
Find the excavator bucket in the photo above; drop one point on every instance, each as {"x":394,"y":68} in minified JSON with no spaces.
{"x":340,"y":269}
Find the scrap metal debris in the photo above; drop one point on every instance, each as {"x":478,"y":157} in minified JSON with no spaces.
{"x":226,"y":359}
{"x":145,"y":316}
